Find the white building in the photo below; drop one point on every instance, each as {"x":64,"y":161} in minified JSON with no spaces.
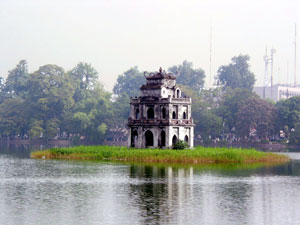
{"x":277,"y":92}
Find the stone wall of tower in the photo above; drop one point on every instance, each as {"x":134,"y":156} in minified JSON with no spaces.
{"x":161,"y":116}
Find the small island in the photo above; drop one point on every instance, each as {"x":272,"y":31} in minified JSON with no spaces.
{"x":199,"y":155}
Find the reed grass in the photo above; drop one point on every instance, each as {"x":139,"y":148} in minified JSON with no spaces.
{"x":199,"y":155}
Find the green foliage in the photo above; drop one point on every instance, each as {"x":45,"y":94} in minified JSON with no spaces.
{"x":84,"y":77}
{"x":36,"y":129}
{"x":257,"y":114}
{"x":295,"y":136}
{"x":180,"y":145}
{"x":237,"y":74}
{"x":51,"y":103}
{"x":51,"y":128}
{"x":230,"y":104}
{"x":288,"y":113}
{"x":197,"y":156}
{"x":16,"y":82}
{"x":129,"y":82}
{"x":208,"y":124}
{"x":121,"y":110}
{"x":102,"y":128}
{"x":188,"y":76}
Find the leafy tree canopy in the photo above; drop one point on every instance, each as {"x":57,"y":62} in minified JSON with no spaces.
{"x":288,"y":112}
{"x":85,"y":78}
{"x":188,"y":76}
{"x":258,"y":114}
{"x":16,"y":80}
{"x":237,"y":74}
{"x":230,"y":104}
{"x":129,"y":82}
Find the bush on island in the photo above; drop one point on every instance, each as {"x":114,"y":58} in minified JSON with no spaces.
{"x":180,"y":145}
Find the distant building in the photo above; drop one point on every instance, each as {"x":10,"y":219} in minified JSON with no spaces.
{"x":277,"y":92}
{"x":162,"y":115}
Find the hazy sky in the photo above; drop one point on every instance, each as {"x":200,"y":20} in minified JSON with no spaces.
{"x":114,"y":35}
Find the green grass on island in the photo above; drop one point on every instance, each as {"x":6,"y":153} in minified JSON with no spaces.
{"x":199,"y":155}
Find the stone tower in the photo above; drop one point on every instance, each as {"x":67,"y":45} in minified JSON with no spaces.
{"x":162,"y":115}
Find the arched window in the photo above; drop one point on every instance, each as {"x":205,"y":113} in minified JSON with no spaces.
{"x":148,"y":138}
{"x":150,"y":113}
{"x":178,"y":93}
{"x":137,"y":112}
{"x":174,"y":140}
{"x":164,"y":113}
{"x":174,"y":115}
{"x":186,"y":139}
{"x":163,"y":138}
{"x":134,"y":138}
{"x":184,"y":115}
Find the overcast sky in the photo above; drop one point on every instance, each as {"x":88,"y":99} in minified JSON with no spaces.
{"x":114,"y":35}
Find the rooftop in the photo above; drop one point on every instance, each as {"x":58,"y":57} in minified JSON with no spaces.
{"x":161,"y":74}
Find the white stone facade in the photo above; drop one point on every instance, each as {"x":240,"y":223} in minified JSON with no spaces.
{"x":161,"y":116}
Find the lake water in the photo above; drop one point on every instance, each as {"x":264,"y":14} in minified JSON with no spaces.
{"x":67,"y":192}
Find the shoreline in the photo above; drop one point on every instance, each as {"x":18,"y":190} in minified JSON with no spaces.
{"x":199,"y":155}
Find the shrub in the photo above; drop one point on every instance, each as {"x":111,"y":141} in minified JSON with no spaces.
{"x":180,"y":145}
{"x":264,"y":141}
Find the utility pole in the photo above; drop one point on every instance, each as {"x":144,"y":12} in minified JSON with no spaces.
{"x":295,"y":58}
{"x":266,"y":78}
{"x":210,"y":56}
{"x":287,"y":72}
{"x":278,"y":75}
{"x":272,"y":60}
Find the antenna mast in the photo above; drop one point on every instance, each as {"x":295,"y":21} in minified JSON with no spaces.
{"x":266,"y":78}
{"x":295,"y":58}
{"x":287,"y":71}
{"x":278,"y":75}
{"x":210,"y":55}
{"x":272,"y":60}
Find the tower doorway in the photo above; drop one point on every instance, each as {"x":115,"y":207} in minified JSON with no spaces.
{"x":186,"y":139}
{"x":150,"y":113}
{"x":148,"y":138}
{"x":163,"y":138}
{"x":174,"y":140}
{"x":134,"y":138}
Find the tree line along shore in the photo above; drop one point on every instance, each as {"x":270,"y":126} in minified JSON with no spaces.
{"x":199,"y":155}
{"x":54,"y":104}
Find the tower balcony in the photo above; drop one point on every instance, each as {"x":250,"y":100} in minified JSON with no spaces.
{"x":169,"y":100}
{"x":160,"y":122}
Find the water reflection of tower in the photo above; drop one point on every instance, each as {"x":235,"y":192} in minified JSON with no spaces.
{"x":162,"y":193}
{"x":149,"y":194}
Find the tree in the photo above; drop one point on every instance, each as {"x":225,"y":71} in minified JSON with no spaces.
{"x":36,"y":129}
{"x":121,"y":110}
{"x":92,"y":116}
{"x":257,"y":114}
{"x":13,"y":119}
{"x":288,"y":113}
{"x":230,"y":105}
{"x":208,"y":124}
{"x":295,"y":136}
{"x":129,"y":82}
{"x":237,"y":74}
{"x":84,"y":77}
{"x":188,"y":76}
{"x":204,"y":105}
{"x":49,"y":97}
{"x":16,"y":81}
